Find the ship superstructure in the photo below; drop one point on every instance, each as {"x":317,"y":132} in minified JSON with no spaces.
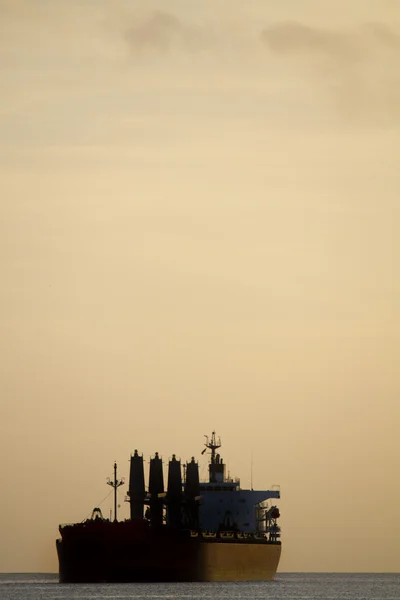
{"x":224,"y":505}
{"x":188,"y":531}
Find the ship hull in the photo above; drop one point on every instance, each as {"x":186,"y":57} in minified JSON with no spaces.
{"x":168,"y":560}
{"x":238,"y":562}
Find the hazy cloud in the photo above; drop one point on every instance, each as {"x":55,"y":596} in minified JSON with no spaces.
{"x":294,"y":37}
{"x":357,"y":68}
{"x":163,"y":31}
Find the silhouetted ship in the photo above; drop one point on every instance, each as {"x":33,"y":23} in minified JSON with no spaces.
{"x":194,"y":531}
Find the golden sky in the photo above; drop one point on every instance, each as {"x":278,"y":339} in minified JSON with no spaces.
{"x":199,"y":230}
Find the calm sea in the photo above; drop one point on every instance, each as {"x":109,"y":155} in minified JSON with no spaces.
{"x":287,"y":586}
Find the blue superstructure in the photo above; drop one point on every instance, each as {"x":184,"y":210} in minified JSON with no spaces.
{"x":224,"y":506}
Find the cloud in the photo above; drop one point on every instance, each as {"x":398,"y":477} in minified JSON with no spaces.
{"x":289,"y":37}
{"x":162,"y":32}
{"x":357,"y":69}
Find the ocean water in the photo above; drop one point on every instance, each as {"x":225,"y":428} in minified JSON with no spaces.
{"x":287,"y":586}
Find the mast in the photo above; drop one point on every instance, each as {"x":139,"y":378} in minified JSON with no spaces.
{"x":115,"y":484}
{"x":216,"y":467}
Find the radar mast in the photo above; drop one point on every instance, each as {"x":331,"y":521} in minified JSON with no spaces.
{"x":216,"y":467}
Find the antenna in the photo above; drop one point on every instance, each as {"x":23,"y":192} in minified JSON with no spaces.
{"x":215,"y":464}
{"x":115,"y":484}
{"x":212,"y":445}
{"x":251,"y":470}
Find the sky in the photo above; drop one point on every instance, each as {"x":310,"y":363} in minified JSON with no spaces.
{"x":199,"y":230}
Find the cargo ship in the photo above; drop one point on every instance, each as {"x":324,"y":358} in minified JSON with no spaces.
{"x":190,"y":531}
